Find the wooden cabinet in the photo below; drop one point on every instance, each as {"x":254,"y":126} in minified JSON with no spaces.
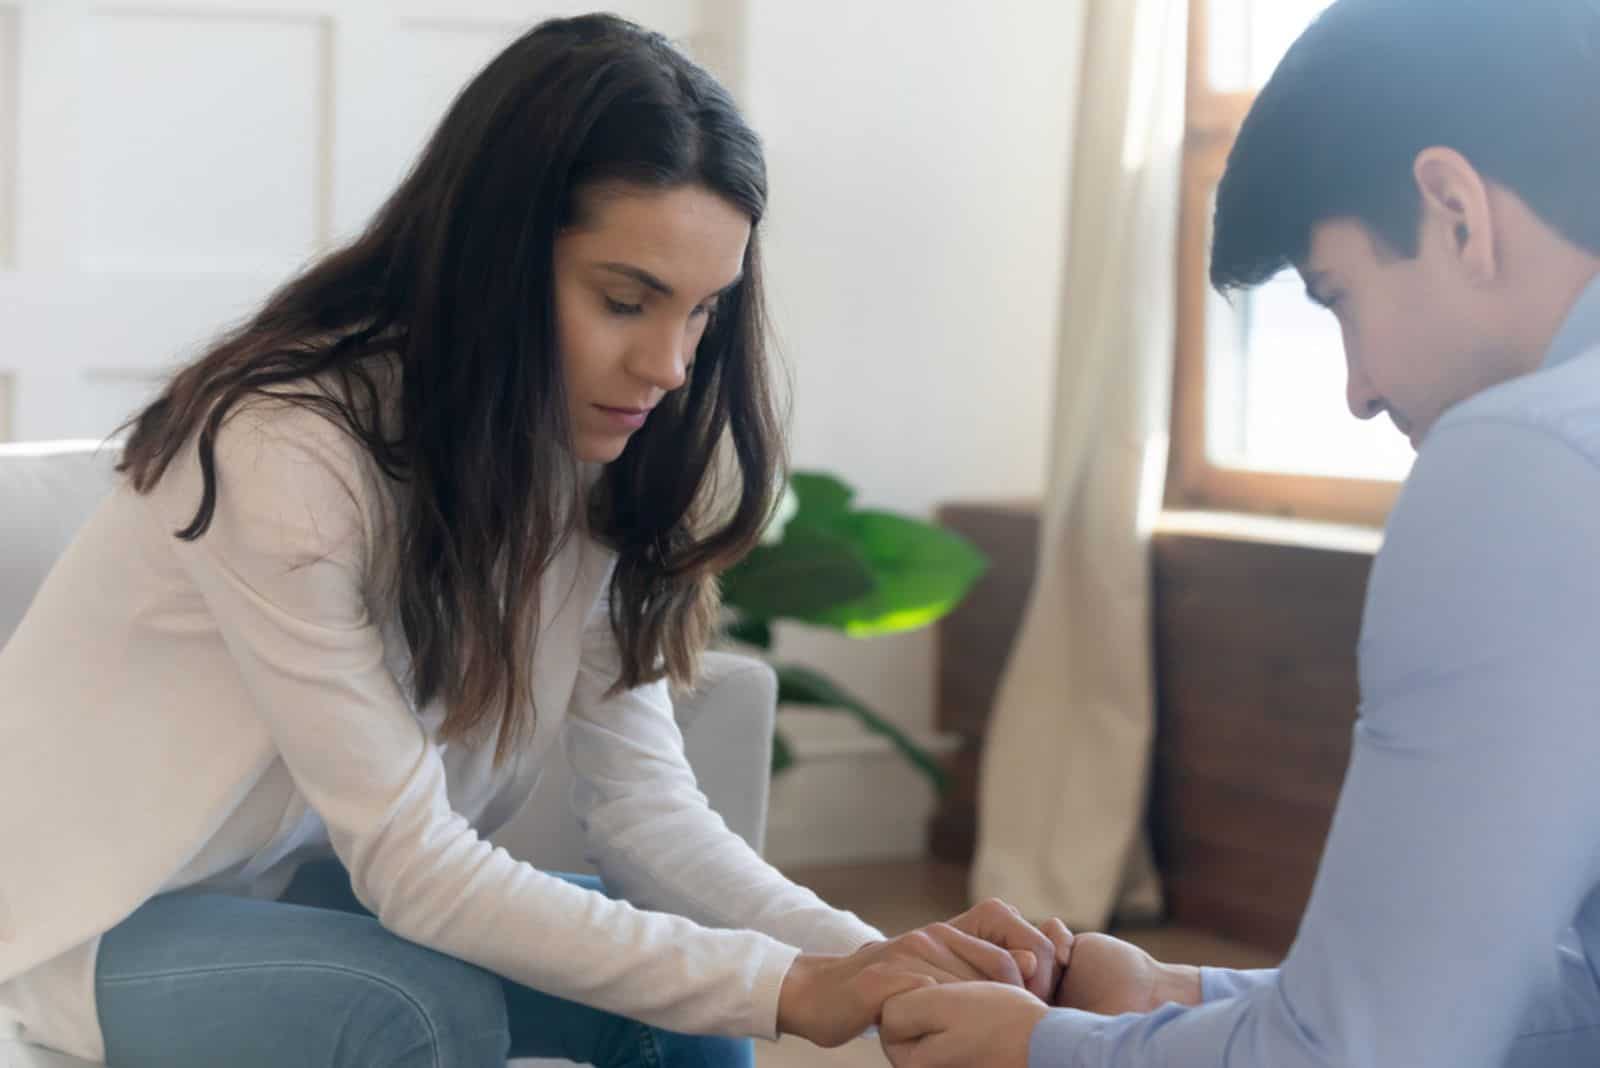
{"x":1256,"y":678}
{"x":973,"y":644}
{"x":1256,"y":682}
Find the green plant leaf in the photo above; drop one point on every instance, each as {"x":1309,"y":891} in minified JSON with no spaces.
{"x":824,"y":499}
{"x":782,"y":754}
{"x":804,"y":686}
{"x":809,"y":571}
{"x":756,"y":632}
{"x":921,"y":572}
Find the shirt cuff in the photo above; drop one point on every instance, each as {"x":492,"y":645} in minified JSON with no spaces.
{"x":1057,"y":1035}
{"x":1216,"y":984}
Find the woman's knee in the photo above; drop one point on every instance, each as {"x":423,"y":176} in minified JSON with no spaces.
{"x":437,"y":1012}
{"x":673,"y":1050}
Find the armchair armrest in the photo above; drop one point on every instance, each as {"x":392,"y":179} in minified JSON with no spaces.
{"x":727,"y":724}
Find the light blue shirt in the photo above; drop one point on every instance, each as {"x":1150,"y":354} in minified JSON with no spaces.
{"x":1455,"y":921}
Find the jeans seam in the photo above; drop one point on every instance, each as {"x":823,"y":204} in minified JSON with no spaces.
{"x":494,"y":1033}
{"x":223,"y":969}
{"x":649,"y":1048}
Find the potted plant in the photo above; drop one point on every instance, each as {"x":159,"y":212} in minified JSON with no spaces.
{"x":825,"y":563}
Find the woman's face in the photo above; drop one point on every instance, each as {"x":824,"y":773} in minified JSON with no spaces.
{"x":636,"y":280}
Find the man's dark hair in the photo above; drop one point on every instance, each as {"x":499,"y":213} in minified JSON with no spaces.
{"x":1513,"y":85}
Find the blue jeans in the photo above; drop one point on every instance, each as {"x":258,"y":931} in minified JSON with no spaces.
{"x":313,"y":981}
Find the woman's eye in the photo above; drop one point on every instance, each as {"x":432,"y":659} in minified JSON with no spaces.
{"x":617,"y":307}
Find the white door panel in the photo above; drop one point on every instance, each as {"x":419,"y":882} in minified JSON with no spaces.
{"x":165,"y":163}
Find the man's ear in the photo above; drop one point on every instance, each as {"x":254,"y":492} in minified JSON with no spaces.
{"x":1456,"y":211}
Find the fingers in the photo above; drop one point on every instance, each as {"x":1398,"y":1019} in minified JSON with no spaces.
{"x":928,"y":949}
{"x":881,"y":982}
{"x":995,"y":921}
{"x":879,"y":985}
{"x":1061,"y":938}
{"x":984,"y":959}
{"x":912,"y":1016}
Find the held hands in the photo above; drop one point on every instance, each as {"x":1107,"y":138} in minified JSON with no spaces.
{"x":1111,"y":977}
{"x":830,"y":1000}
{"x":1042,"y":953}
{"x":987,"y":1025}
{"x":964,"y":1025}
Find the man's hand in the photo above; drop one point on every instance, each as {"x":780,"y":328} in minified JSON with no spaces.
{"x":962,"y":1025}
{"x":830,"y":1000}
{"x":1041,"y":952}
{"x":1110,"y":977}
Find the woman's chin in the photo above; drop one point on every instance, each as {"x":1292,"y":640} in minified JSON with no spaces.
{"x":600,"y":450}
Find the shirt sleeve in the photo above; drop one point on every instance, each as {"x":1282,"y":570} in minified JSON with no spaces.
{"x":649,"y":829}
{"x":283,"y":570}
{"x":1465,"y":838}
{"x":1216,"y":984}
{"x":1560,"y":1029}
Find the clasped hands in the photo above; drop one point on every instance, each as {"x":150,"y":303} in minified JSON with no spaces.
{"x":969,"y":992}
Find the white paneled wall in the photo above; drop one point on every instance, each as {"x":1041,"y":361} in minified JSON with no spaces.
{"x":165,"y":163}
{"x":8,"y":131}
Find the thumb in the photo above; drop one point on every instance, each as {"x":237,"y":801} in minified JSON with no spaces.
{"x":912,"y":1016}
{"x":879,"y":983}
{"x":1027,"y":963}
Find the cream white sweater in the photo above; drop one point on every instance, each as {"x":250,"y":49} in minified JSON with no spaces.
{"x":210,"y":714}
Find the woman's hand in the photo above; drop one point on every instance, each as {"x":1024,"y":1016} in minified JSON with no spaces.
{"x":1041,"y":953}
{"x":830,"y":1000}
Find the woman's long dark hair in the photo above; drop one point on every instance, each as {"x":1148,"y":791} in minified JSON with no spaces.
{"x":452,"y":285}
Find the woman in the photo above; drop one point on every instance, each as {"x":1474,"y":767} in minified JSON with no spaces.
{"x":462,"y":487}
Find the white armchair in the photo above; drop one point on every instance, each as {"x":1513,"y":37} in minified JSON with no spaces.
{"x":47,"y":490}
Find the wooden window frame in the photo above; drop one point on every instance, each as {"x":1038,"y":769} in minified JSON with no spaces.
{"x":1194,"y":481}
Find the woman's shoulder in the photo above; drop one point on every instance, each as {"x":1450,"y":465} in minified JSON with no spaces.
{"x":284,"y":458}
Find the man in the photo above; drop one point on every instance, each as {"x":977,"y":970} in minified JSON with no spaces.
{"x":1432,"y":170}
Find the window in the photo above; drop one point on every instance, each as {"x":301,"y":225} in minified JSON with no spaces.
{"x":1259,"y":416}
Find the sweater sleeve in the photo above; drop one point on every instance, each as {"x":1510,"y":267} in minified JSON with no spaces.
{"x":283,"y":569}
{"x":649,"y":829}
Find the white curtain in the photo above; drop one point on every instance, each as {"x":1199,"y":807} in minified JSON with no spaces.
{"x":1062,"y":798}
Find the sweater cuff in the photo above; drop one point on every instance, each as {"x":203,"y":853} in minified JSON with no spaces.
{"x":769,"y":979}
{"x":842,"y":935}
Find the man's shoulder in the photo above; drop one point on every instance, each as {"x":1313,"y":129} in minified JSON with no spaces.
{"x":1562,"y":402}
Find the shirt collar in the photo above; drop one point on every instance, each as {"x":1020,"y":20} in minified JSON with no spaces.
{"x":1581,"y":331}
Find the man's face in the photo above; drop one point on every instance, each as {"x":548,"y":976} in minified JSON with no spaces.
{"x":1418,"y":336}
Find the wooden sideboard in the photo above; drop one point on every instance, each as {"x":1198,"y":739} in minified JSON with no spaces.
{"x":1256,"y":680}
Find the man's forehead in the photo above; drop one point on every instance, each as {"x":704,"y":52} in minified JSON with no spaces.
{"x":1333,"y":242}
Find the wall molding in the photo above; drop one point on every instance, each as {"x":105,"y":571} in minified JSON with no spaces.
{"x":319,"y":134}
{"x":242,"y":10}
{"x":850,"y":797}
{"x":10,"y":81}
{"x":8,"y":398}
